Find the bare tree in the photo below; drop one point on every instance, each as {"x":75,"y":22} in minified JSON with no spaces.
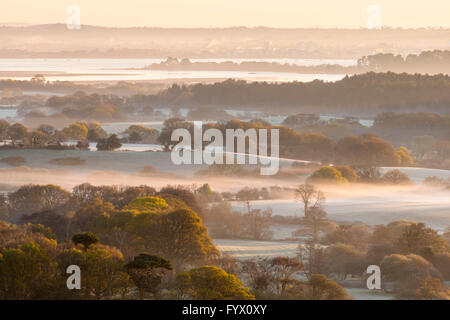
{"x":312,"y":199}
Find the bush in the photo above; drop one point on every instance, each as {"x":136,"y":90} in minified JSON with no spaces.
{"x":348,"y":173}
{"x":396,"y":177}
{"x":327,"y":175}
{"x":109,"y":144}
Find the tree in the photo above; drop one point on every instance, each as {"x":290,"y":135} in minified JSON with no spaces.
{"x":38,"y":138}
{"x":446,"y":235}
{"x":30,"y":199}
{"x":327,"y":175}
{"x":377,"y":252}
{"x":102,"y":271}
{"x":283,"y":270}
{"x":26,"y":272}
{"x":16,"y":132}
{"x":39,"y":228}
{"x":187,"y":196}
{"x":257,"y":224}
{"x":147,"y":204}
{"x":86,"y":193}
{"x":95,"y":132}
{"x":408,"y":272}
{"x":59,"y":223}
{"x":404,"y":157}
{"x":169,"y":125}
{"x":140,"y":134}
{"x":347,"y":173}
{"x":417,"y":236}
{"x":4,"y":125}
{"x":76,"y":131}
{"x":272,"y":277}
{"x":442,"y":263}
{"x":246,"y":195}
{"x":422,"y":144}
{"x":442,"y":149}
{"x":223,"y":222}
{"x":365,"y":150}
{"x":147,"y":272}
{"x":4,"y":210}
{"x":102,"y":275}
{"x":396,"y":177}
{"x":369,"y":174}
{"x":343,"y":259}
{"x":86,"y":239}
{"x":310,"y":196}
{"x":180,"y":237}
{"x":109,"y":144}
{"x":312,"y":199}
{"x":212,"y":283}
{"x":205,"y":191}
{"x":312,"y":257}
{"x":356,"y":235}
{"x":47,"y":129}
{"x":388,"y":234}
{"x":320,"y":288}
{"x":433,"y":289}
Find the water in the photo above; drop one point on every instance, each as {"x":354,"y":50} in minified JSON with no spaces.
{"x":119,"y":70}
{"x":137,"y":147}
{"x":90,"y":65}
{"x":7,"y":112}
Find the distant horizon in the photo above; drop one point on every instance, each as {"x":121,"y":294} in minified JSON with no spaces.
{"x":19,"y":24}
{"x":227,"y":13}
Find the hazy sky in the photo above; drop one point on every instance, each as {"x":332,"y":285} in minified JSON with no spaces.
{"x":222,"y":13}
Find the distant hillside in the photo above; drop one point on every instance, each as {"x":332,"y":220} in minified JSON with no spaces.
{"x":55,"y":40}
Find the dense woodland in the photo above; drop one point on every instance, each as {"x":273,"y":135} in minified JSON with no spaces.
{"x":370,"y":93}
{"x":365,"y":93}
{"x":138,"y":242}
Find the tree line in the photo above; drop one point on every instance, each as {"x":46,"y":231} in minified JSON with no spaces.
{"x":369,"y":92}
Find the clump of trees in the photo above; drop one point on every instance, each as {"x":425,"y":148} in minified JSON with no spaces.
{"x":109,"y":144}
{"x":414,"y":259}
{"x":345,"y":174}
{"x":46,"y":136}
{"x":370,"y":150}
{"x":427,"y":62}
{"x":366,"y":149}
{"x":279,"y":278}
{"x":140,"y":134}
{"x":223,"y":222}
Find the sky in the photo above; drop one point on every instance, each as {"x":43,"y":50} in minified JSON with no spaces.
{"x":226,"y":13}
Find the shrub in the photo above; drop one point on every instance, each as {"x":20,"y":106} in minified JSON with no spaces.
{"x":348,"y":173}
{"x":327,"y":175}
{"x":396,"y":177}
